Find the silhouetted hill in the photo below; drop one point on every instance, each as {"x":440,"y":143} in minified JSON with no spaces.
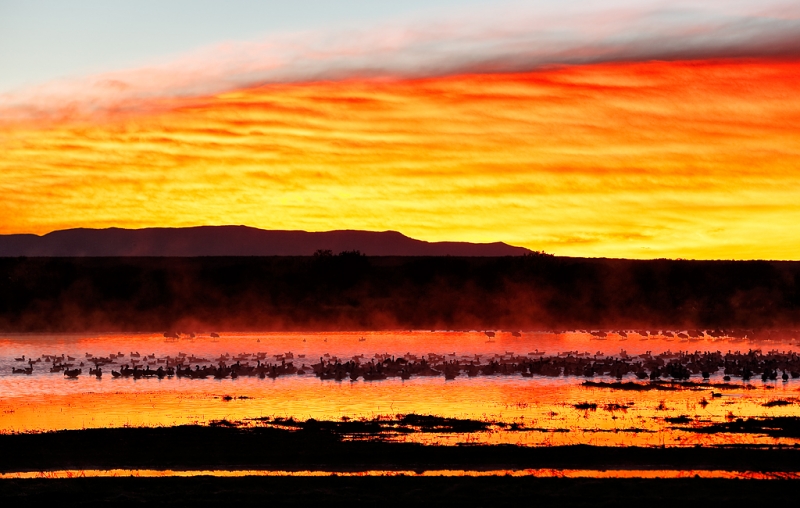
{"x":351,"y":291}
{"x":234,"y":241}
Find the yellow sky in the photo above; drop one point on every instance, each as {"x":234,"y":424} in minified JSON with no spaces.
{"x":681,"y":159}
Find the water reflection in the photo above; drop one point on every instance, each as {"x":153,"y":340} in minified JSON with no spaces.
{"x":538,"y":473}
{"x":545,"y":410}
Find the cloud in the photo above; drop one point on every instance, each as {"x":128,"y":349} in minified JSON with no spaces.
{"x":675,"y":159}
{"x":509,"y":38}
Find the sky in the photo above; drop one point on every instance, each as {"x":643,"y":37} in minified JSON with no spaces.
{"x":637,"y":129}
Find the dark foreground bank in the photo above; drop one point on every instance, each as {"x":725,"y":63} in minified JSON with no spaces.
{"x":399,"y":491}
{"x":320,"y":448}
{"x":348,"y":291}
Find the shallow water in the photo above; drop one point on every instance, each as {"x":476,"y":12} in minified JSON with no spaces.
{"x":543,"y":407}
{"x":538,"y":473}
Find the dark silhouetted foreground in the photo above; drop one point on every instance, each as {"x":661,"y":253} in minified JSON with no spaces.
{"x":317,"y":446}
{"x":352,"y":291}
{"x":320,"y":446}
{"x":399,"y":491}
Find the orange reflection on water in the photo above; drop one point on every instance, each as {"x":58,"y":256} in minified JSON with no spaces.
{"x":538,"y":473}
{"x":543,"y":408}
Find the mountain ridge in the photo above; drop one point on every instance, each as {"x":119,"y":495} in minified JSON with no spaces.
{"x":234,"y":241}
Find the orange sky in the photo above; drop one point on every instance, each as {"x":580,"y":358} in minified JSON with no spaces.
{"x":662,"y":159}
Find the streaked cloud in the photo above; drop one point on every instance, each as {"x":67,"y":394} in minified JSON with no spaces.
{"x":691,"y":159}
{"x":511,"y":37}
{"x":625,"y":129}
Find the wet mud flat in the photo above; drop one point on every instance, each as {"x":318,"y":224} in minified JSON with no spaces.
{"x":354,"y":446}
{"x":400,"y":491}
{"x":340,"y":447}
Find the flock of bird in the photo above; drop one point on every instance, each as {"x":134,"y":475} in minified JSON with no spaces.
{"x":677,"y":366}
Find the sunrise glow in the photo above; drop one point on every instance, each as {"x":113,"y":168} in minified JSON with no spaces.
{"x":481,"y":252}
{"x":660,"y":159}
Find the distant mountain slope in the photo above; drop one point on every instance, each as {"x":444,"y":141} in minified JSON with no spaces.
{"x":234,"y":241}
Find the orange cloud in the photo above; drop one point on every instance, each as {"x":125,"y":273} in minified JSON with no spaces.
{"x":505,"y":37}
{"x":693,"y":159}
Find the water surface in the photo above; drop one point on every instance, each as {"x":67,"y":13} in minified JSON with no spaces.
{"x":542,"y":407}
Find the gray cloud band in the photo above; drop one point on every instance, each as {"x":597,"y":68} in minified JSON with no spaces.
{"x":500,"y":43}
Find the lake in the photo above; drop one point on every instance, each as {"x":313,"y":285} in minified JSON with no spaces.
{"x":532,"y":409}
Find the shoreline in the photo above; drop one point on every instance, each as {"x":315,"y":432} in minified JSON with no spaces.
{"x":189,"y":448}
{"x":402,"y":491}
